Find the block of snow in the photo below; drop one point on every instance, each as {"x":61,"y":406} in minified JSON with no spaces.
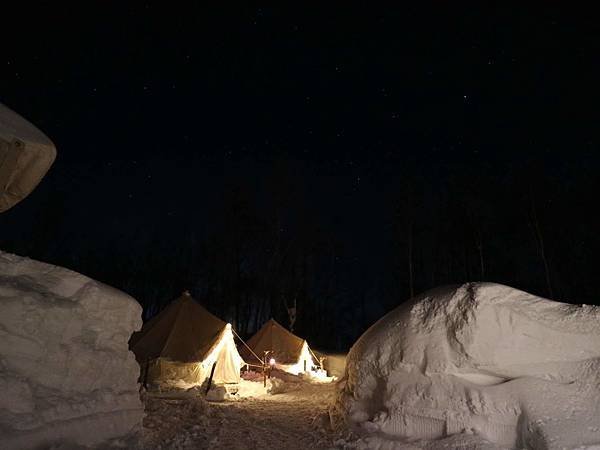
{"x":481,"y":358}
{"x":66,"y":374}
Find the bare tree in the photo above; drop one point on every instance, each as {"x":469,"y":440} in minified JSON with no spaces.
{"x":291,"y":310}
{"x":539,"y":239}
{"x":410,"y":258}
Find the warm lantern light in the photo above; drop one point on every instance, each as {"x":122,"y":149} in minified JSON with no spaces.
{"x":272,"y":362}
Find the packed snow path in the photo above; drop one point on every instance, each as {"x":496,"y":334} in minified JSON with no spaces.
{"x":290,"y":419}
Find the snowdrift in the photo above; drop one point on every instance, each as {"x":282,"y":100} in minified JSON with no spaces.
{"x":66,"y":374}
{"x":479,"y":359}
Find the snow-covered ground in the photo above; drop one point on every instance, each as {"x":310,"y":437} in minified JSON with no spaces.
{"x":294,"y":415}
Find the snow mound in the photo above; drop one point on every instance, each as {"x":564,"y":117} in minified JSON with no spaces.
{"x":66,"y":374}
{"x":483,"y":359}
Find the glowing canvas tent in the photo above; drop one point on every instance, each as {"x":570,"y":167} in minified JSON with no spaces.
{"x":291,"y":353}
{"x":26,"y":154}
{"x":183,"y":342}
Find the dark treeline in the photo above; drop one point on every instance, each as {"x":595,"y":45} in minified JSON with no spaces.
{"x":273,"y":242}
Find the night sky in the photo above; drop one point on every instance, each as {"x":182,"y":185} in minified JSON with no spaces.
{"x":339,"y":137}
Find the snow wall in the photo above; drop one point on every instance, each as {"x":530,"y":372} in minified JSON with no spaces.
{"x":66,"y":374}
{"x":478,"y":359}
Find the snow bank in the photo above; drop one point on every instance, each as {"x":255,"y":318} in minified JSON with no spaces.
{"x":334,"y":364}
{"x":66,"y":374}
{"x":484,"y":359}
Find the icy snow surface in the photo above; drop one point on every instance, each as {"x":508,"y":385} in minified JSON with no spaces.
{"x":66,"y":374}
{"x":485,"y":364}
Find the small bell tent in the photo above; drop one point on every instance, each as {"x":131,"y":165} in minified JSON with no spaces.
{"x":183,"y":342}
{"x":290,"y":352}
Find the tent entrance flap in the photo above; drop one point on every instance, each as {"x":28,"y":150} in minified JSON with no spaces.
{"x":229,"y":362}
{"x":225,"y":354}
